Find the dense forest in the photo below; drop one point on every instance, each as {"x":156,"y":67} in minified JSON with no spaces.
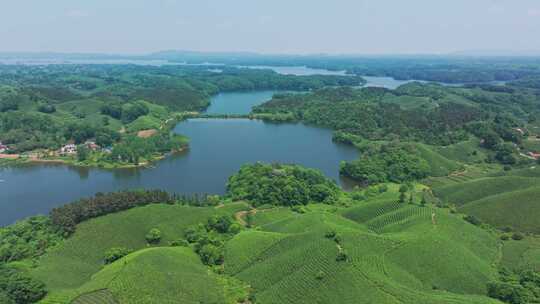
{"x":443,"y":206}
{"x":502,"y":118}
{"x":118,"y":115}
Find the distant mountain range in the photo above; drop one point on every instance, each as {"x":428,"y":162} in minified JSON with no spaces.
{"x":197,"y":55}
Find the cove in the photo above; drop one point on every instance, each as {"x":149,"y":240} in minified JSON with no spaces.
{"x":218,"y":148}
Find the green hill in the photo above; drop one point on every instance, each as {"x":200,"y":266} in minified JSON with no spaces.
{"x":403,"y":259}
{"x":473,"y":190}
{"x":74,"y":262}
{"x":517,"y":209}
{"x":439,"y":164}
{"x":394,"y":253}
{"x":155,"y":275}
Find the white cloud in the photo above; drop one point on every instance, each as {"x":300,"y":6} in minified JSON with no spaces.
{"x":77,"y":14}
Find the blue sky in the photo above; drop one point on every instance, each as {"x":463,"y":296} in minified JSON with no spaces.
{"x":270,"y":26}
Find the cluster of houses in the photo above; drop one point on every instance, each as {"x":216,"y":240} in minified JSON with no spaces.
{"x":3,"y":148}
{"x":535,"y":155}
{"x":71,"y":149}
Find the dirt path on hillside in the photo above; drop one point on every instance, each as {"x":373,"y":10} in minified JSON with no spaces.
{"x":241,"y":215}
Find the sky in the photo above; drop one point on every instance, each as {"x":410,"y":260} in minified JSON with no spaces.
{"x":270,"y":26}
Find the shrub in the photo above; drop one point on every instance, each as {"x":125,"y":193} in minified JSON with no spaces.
{"x":423,"y":201}
{"x":337,"y":239}
{"x":235,"y":228}
{"x":473,"y":220}
{"x":342,"y":256}
{"x":211,"y":254}
{"x":330,"y":234}
{"x":179,"y":243}
{"x":299,"y":209}
{"x":219,"y":223}
{"x":115,"y":254}
{"x":46,"y":108}
{"x":505,"y":237}
{"x":507,"y":229}
{"x":320,"y":275}
{"x":518,"y":236}
{"x":402,"y":197}
{"x":153,"y":236}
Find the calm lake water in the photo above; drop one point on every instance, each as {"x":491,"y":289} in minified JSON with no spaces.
{"x":218,"y":148}
{"x":238,"y":102}
{"x":296,"y":70}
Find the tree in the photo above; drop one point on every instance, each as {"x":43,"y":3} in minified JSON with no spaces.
{"x":518,"y":236}
{"x":19,"y":287}
{"x":423,"y":202}
{"x":219,"y":223}
{"x":82,"y":152}
{"x":46,"y":108}
{"x":132,"y":111}
{"x":211,"y":255}
{"x":153,"y":236}
{"x":473,"y":220}
{"x":402,"y":193}
{"x":115,"y":253}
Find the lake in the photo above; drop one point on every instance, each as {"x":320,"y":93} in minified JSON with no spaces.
{"x":218,"y":148}
{"x":238,"y":102}
{"x":385,"y":82}
{"x":296,"y":70}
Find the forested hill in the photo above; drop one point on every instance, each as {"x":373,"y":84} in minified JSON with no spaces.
{"x":44,"y":108}
{"x":396,"y":129}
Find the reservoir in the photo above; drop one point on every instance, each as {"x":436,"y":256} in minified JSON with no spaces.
{"x":217,"y":150}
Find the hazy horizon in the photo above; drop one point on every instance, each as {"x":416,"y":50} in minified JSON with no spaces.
{"x":343,"y":27}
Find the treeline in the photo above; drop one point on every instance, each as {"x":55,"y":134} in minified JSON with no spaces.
{"x":235,"y":79}
{"x":68,"y":216}
{"x":285,"y":185}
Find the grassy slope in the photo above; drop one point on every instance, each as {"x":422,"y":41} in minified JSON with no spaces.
{"x":452,"y":256}
{"x":517,"y":209}
{"x":439,"y":164}
{"x":466,"y":151}
{"x":463,"y":193}
{"x":395,"y":255}
{"x":522,"y":255}
{"x":501,"y":199}
{"x":157,"y":275}
{"x":74,"y":262}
